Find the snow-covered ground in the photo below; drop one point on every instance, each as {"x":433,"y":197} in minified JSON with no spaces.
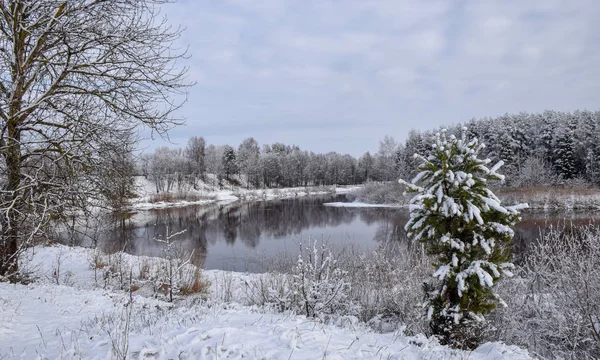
{"x":358,"y":204}
{"x":77,"y":318}
{"x":209,"y":194}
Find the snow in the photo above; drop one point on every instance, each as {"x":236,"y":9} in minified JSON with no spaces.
{"x":358,"y":204}
{"x":208,"y":194}
{"x":77,"y":319}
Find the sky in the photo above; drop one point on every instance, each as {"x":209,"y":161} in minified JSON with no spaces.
{"x":339,"y":75}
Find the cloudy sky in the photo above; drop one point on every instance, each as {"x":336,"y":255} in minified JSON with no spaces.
{"x":338,"y":75}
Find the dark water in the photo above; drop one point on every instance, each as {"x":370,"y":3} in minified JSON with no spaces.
{"x":238,"y":236}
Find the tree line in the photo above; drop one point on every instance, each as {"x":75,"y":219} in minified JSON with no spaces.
{"x":538,"y":149}
{"x":272,"y":165}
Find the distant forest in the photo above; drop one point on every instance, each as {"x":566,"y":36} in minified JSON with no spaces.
{"x":538,"y":149}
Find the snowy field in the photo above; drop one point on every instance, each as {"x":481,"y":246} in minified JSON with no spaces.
{"x":66,"y":313}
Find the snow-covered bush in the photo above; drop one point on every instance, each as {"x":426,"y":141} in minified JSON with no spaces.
{"x":315,"y":286}
{"x":465,"y":228}
{"x":387,"y":285}
{"x":554,"y":306}
{"x":380,"y":193}
{"x":319,"y":286}
{"x":270,"y":289}
{"x":534,"y":171}
{"x":178,"y":273}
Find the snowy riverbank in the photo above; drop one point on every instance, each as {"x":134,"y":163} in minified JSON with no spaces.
{"x":359,"y":204}
{"x":541,"y":198}
{"x":68,"y":312}
{"x":208,"y":194}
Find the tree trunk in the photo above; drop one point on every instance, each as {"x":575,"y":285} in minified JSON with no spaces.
{"x":9,"y":220}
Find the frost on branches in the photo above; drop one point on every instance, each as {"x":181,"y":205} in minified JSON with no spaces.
{"x":465,"y":228}
{"x":319,"y":286}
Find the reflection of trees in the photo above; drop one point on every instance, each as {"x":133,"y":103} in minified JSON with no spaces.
{"x":246,"y":222}
{"x":250,"y":231}
{"x":250,"y":222}
{"x":231,"y":222}
{"x":391,"y":223}
{"x":391,"y":230}
{"x":535,"y":225}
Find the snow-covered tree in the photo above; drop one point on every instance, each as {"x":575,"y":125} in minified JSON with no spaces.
{"x":248,"y":157}
{"x":213,"y":160}
{"x":195,"y":153}
{"x":229,"y":161}
{"x":385,"y":161}
{"x":465,"y":228}
{"x":165,"y":166}
{"x":365,"y":167}
{"x":115,"y":171}
{"x":72,"y":75}
{"x":565,"y":151}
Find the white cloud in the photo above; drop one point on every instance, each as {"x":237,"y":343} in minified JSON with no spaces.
{"x":284,"y":64}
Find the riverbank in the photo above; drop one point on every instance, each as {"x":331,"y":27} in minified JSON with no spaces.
{"x":550,"y":198}
{"x":205,"y":193}
{"x":71,"y":310}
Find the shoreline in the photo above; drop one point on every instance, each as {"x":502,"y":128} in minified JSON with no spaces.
{"x":546,"y":199}
{"x":225,"y":197}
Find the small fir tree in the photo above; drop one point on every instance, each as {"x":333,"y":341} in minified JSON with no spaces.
{"x":464,"y":227}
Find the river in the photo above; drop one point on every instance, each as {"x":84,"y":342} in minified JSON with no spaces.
{"x":244,"y":236}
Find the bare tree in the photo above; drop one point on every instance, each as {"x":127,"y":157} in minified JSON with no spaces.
{"x":195,"y":152}
{"x":248,"y":157}
{"x":72,"y":74}
{"x":114,"y":173}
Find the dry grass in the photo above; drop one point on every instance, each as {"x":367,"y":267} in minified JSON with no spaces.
{"x":556,"y":190}
{"x":144,"y":270}
{"x":198,"y":285}
{"x":558,"y":197}
{"x":99,"y":264}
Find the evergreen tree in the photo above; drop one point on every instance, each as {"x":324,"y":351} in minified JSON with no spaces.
{"x":588,"y":148}
{"x":565,"y":151}
{"x":548,"y":133}
{"x":229,"y":161}
{"x":464,"y":227}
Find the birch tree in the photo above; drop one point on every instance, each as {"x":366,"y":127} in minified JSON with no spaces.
{"x":73,"y":73}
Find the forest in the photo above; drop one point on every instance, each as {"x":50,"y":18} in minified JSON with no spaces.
{"x":548,"y":148}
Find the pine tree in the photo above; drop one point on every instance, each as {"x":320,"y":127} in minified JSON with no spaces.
{"x":464,"y":227}
{"x":565,"y":152}
{"x":588,"y":148}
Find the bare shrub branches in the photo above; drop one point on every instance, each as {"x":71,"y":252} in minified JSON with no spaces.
{"x":553,"y":302}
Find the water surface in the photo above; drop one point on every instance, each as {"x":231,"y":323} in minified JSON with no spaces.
{"x":241,"y":236}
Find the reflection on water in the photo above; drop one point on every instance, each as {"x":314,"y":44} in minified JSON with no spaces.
{"x":232,"y":237}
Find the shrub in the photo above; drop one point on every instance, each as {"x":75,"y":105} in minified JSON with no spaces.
{"x":380,"y":193}
{"x":554,"y":300}
{"x":319,"y":285}
{"x":384,"y":284}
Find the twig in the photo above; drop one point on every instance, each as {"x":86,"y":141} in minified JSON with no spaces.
{"x":326,"y":347}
